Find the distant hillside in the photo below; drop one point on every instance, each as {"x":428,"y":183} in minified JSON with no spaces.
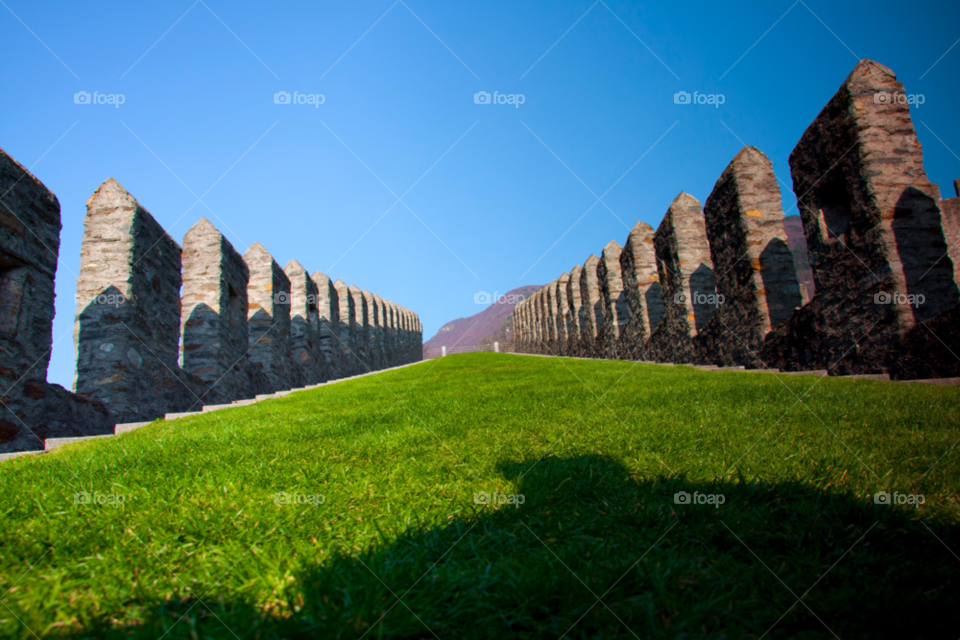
{"x":483,"y":327}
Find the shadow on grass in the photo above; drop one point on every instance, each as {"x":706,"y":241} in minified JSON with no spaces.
{"x":594,"y":553}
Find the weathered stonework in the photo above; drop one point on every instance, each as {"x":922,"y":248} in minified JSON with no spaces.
{"x":383,"y":356}
{"x":328,"y":316}
{"x":950,"y":221}
{"x":563,"y":313}
{"x":268,"y":318}
{"x":361,"y":327}
{"x":641,"y":288}
{"x":754,"y":269}
{"x":551,"y":310}
{"x":214,"y":317}
{"x":348,"y":321}
{"x":591,"y":308}
{"x":685,"y":273}
{"x":573,"y":311}
{"x":32,"y":409}
{"x":305,"y":325}
{"x":873,"y":230}
{"x":127,"y":327}
{"x":373,"y":319}
{"x":616,"y":314}
{"x":543,"y":309}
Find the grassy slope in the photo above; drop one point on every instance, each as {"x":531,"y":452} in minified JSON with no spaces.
{"x":200,"y":549}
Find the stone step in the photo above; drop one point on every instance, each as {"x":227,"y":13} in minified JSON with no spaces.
{"x":174,"y":416}
{"x":943,"y":381}
{"x":813,"y":372}
{"x":129,"y":426}
{"x":868,"y":376}
{"x":243,"y":403}
{"x":52,"y":443}
{"x":216,"y":407}
{"x":17,"y":454}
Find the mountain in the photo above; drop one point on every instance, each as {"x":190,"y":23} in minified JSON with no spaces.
{"x":484,"y":327}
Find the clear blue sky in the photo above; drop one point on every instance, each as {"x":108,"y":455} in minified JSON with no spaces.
{"x":493,"y":196}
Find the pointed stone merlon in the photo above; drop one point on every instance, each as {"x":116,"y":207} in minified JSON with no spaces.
{"x":591,"y":307}
{"x":550,"y":299}
{"x":563,"y":312}
{"x":641,"y":288}
{"x":382,"y":327}
{"x":873,"y":228}
{"x":32,"y":409}
{"x":876,"y":200}
{"x":214,"y":313}
{"x":574,"y":304}
{"x":361,"y":326}
{"x":685,"y":273}
{"x":748,"y":245}
{"x":348,"y":327}
{"x":268,"y":318}
{"x":373,"y":319}
{"x":613,"y":301}
{"x":127,"y":327}
{"x":328,"y":316}
{"x":305,"y":324}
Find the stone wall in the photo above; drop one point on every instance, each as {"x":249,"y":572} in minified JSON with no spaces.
{"x":127,"y":327}
{"x":884,"y":251}
{"x":755,"y":276}
{"x":240,"y":326}
{"x":613,"y":301}
{"x":641,"y":289}
{"x":574,"y":303}
{"x":591,"y":307}
{"x":33,"y":409}
{"x":215,"y":337}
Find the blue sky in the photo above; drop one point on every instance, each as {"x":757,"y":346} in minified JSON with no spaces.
{"x":491,"y":196}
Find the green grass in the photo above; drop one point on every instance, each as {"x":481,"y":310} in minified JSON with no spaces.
{"x":200,"y":549}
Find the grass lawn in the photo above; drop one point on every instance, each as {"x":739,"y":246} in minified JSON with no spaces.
{"x":377,"y":531}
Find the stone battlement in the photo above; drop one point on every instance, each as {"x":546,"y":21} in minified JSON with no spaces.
{"x":718,"y":285}
{"x":244,"y":326}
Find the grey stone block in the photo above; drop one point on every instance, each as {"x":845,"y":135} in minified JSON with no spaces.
{"x":127,"y":328}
